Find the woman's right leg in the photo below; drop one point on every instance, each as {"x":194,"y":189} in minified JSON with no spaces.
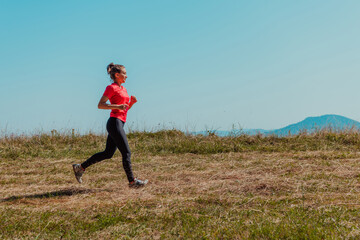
{"x":98,"y":157}
{"x":115,"y":128}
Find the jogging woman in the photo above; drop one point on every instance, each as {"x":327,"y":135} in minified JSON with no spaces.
{"x":119,"y":105}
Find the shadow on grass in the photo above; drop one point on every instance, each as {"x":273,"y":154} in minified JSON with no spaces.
{"x":64,"y":192}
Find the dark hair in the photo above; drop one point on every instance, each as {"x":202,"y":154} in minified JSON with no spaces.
{"x":114,"y":68}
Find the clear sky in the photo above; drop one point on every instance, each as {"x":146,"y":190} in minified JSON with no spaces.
{"x":194,"y":65}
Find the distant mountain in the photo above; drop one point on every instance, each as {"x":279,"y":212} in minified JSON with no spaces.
{"x":310,"y":124}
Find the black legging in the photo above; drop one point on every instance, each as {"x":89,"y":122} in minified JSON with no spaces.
{"x":116,"y":138}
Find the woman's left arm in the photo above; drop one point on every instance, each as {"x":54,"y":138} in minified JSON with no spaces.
{"x":133,"y":100}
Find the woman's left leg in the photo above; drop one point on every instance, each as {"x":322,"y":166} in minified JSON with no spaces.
{"x":110,"y":149}
{"x":98,"y":157}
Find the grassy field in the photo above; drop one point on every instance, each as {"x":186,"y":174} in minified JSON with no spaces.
{"x":239,"y":187}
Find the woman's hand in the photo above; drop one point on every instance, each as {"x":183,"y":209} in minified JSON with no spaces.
{"x":133,"y":100}
{"x":123,"y":106}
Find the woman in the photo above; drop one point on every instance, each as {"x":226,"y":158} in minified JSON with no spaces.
{"x":119,"y":105}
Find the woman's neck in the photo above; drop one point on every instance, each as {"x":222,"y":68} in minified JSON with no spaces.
{"x":117,"y":83}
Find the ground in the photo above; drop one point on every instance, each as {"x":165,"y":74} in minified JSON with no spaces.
{"x":294,"y":194}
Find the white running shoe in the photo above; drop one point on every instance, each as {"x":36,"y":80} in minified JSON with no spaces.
{"x":79,"y":171}
{"x":138,"y":183}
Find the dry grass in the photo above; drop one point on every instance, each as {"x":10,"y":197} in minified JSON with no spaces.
{"x":295,"y":194}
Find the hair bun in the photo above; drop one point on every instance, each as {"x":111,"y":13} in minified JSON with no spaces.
{"x":109,"y":67}
{"x":113,"y":69}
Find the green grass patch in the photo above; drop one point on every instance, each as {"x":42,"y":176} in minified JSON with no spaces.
{"x":201,"y":218}
{"x":176,"y":142}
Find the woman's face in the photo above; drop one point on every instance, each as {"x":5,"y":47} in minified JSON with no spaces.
{"x":121,"y":77}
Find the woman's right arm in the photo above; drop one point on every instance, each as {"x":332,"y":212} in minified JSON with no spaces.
{"x":103,"y":105}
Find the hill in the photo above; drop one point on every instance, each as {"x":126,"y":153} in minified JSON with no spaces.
{"x":309,"y":125}
{"x":312,"y":124}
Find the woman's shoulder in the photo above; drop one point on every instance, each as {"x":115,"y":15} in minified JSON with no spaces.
{"x":116,"y":87}
{"x":112,"y":86}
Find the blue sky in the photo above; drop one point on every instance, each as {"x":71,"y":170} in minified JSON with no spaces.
{"x":193,"y":65}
